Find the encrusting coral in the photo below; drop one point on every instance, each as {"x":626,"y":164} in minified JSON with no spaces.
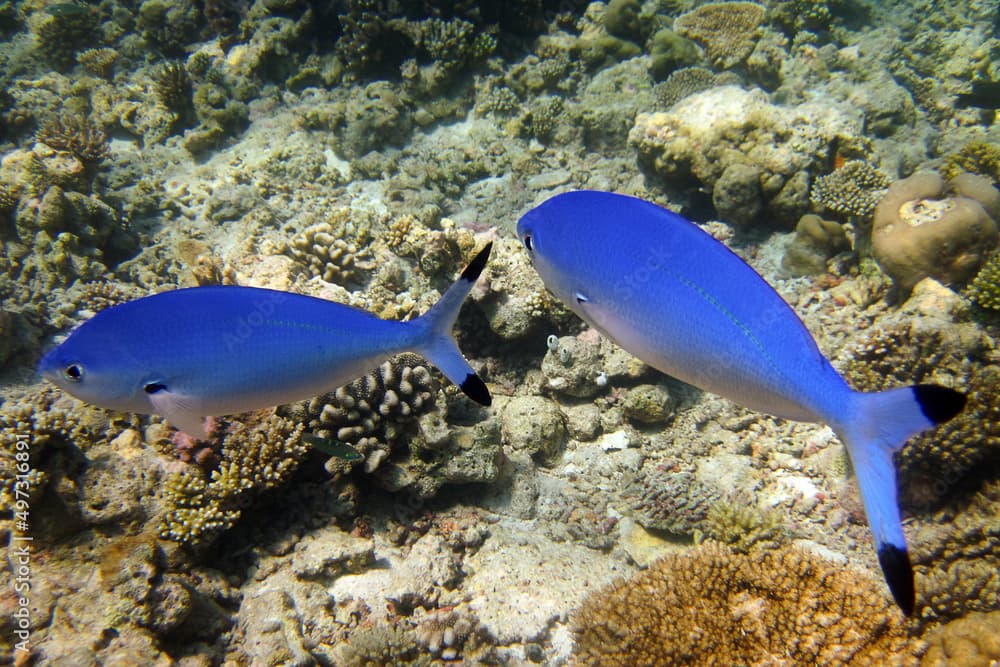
{"x":816,"y":241}
{"x":957,"y":557}
{"x":727,"y":29}
{"x":920,"y":230}
{"x":769,"y":607}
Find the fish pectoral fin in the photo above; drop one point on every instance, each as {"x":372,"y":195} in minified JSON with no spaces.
{"x":178,"y":409}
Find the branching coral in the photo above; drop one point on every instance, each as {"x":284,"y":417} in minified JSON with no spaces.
{"x":335,"y":251}
{"x":932,"y":463}
{"x":77,"y":135}
{"x":66,"y":28}
{"x":727,"y":29}
{"x":742,"y":526}
{"x":254,"y":458}
{"x":374,"y":411}
{"x":984,"y":290}
{"x":977,"y":157}
{"x":853,"y":189}
{"x":174,"y":91}
{"x":713,"y":606}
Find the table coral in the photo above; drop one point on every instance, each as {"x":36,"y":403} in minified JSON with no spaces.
{"x":853,"y":189}
{"x":713,"y":606}
{"x":726,"y":29}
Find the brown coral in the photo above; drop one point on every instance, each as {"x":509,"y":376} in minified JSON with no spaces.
{"x":726,"y":29}
{"x":77,"y":135}
{"x":921,"y":231}
{"x":712,"y":606}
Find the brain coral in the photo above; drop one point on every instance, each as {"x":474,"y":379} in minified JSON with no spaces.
{"x":711,"y":606}
{"x":726,"y":29}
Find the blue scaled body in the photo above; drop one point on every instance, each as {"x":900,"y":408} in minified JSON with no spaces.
{"x":678,"y":299}
{"x":212,"y":351}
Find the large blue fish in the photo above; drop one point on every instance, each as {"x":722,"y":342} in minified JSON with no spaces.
{"x":681,"y":301}
{"x":211,"y":351}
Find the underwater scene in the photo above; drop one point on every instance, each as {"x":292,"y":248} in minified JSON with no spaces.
{"x":532,"y":332}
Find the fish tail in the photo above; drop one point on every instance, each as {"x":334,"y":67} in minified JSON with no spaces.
{"x":439,"y":345}
{"x":882,"y":423}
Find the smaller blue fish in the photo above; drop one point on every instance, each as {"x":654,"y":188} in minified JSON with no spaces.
{"x":211,"y":351}
{"x":673,"y":296}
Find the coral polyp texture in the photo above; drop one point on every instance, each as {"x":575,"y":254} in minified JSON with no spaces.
{"x":984,"y":290}
{"x":711,"y":605}
{"x":727,"y":30}
{"x":853,"y":189}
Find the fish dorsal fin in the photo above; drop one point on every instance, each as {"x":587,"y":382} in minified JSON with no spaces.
{"x":179,"y":410}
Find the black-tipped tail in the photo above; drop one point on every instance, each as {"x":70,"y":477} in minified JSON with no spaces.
{"x":475,"y":388}
{"x":477,"y":264}
{"x":898,"y":573}
{"x":939,"y":404}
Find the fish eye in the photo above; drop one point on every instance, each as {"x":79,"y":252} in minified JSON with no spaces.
{"x":527,"y":242}
{"x":73,"y":372}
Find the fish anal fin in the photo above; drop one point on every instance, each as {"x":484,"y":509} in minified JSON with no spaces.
{"x":179,"y":410}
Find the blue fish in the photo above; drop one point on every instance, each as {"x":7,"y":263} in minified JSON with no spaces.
{"x":210,"y":351}
{"x":672,"y":295}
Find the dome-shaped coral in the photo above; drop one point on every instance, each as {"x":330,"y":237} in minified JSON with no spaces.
{"x":922,"y":231}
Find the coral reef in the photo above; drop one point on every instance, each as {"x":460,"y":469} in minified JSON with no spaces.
{"x":816,"y":241}
{"x":671,"y":500}
{"x":670,"y":53}
{"x":920,"y":230}
{"x":254,"y":457}
{"x":726,"y":29}
{"x":535,"y":426}
{"x":984,"y":290}
{"x":751,"y":154}
{"x":334,"y":250}
{"x":976,"y":157}
{"x":957,"y":557}
{"x":970,"y":641}
{"x":743,"y":527}
{"x":727,"y":608}
{"x":76,"y":135}
{"x":853,"y":189}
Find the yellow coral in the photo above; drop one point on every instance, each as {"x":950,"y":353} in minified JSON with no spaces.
{"x":977,"y":157}
{"x":713,"y":606}
{"x":727,"y":29}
